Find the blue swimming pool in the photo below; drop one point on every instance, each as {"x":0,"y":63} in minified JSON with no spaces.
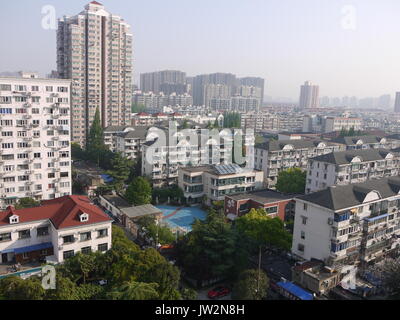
{"x":181,"y":217}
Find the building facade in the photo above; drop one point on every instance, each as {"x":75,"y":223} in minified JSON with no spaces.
{"x":347,"y":225}
{"x":55,"y":231}
{"x":275,"y":156}
{"x":94,"y":49}
{"x":35,"y":153}
{"x":354,"y":166}
{"x":213,"y":183}
{"x":166,"y":81}
{"x":309,"y":96}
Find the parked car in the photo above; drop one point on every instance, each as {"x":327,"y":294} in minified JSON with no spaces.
{"x":218,"y":292}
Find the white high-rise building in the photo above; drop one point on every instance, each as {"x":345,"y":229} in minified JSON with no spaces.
{"x":397,"y":103}
{"x":309,"y":96}
{"x":35,"y":151}
{"x":94,"y":49}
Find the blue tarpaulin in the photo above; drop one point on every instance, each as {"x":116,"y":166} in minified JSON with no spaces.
{"x":35,"y":247}
{"x":107,"y":178}
{"x":295,"y":290}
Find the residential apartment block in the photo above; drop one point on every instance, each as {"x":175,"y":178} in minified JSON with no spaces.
{"x":213,"y":183}
{"x":54,"y":231}
{"x":161,"y":159}
{"x":339,"y":123}
{"x":167,"y":81}
{"x":94,"y":49}
{"x":351,"y":224}
{"x":275,"y":156}
{"x":274,"y":203}
{"x":35,"y":151}
{"x":352,"y":166}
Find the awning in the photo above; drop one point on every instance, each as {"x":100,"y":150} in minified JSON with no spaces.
{"x":295,"y":290}
{"x":7,"y":251}
{"x":35,"y":247}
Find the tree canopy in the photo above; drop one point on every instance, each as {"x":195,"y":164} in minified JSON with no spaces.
{"x":248,"y":288}
{"x":27,"y":203}
{"x":232,"y":120}
{"x":95,"y":142}
{"x":292,"y":180}
{"x":139,"y":191}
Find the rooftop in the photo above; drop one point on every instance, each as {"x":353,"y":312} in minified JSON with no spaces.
{"x":262,"y":196}
{"x":341,"y":197}
{"x":345,"y":157}
{"x":140,"y":211}
{"x":274,"y":145}
{"x":63,"y":212}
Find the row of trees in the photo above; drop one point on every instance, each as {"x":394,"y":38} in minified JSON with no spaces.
{"x":232,"y":120}
{"x":131,"y":274}
{"x":350,"y":133}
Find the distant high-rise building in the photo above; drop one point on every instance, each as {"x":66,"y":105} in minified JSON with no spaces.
{"x":94,"y":49}
{"x":384,"y":101}
{"x":397,"y":103}
{"x":200,"y":81}
{"x":255,"y":82}
{"x":167,"y":81}
{"x":309,"y":96}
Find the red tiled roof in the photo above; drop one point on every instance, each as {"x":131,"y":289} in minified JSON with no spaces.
{"x":160,"y":114}
{"x":95,"y":2}
{"x":63,"y":212}
{"x":143,"y":114}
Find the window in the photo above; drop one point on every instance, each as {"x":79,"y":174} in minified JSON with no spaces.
{"x":300,"y":247}
{"x":102,"y":247}
{"x":304,"y":220}
{"x":24,"y":234}
{"x":303,"y":235}
{"x":25,"y":255}
{"x":68,"y":239}
{"x":102,"y":233}
{"x":68,"y":254}
{"x":86,"y":236}
{"x":271,"y":210}
{"x":305,"y":206}
{"x":5,"y":237}
{"x":42,"y":231}
{"x":86,"y":250}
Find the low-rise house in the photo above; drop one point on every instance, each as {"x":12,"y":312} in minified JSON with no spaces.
{"x":274,"y":156}
{"x":350,"y":224}
{"x":352,"y":166}
{"x":56,"y":230}
{"x":276,"y":204}
{"x":89,"y":176}
{"x":127,"y":214}
{"x":213,"y":182}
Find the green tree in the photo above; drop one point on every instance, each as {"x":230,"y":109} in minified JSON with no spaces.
{"x":292,"y":180}
{"x":15,"y":288}
{"x":137,"y":108}
{"x":351,"y":132}
{"x":189,"y":294}
{"x":77,"y":153}
{"x":139,"y":192}
{"x":212,"y":249}
{"x":27,"y":203}
{"x":95,"y":146}
{"x":133,"y":290}
{"x":185,"y":124}
{"x":216,"y":124}
{"x":248,"y":288}
{"x":120,"y":171}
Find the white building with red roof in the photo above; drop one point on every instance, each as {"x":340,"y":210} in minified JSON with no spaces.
{"x":56,"y":230}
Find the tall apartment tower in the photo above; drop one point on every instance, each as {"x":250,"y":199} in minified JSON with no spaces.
{"x":35,"y":150}
{"x":200,"y":81}
{"x":94,"y":49}
{"x":167,"y":81}
{"x":254,"y":82}
{"x":397,"y":103}
{"x":309,"y":96}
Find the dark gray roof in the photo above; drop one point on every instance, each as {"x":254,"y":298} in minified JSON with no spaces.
{"x":341,"y":197}
{"x":263,"y":196}
{"x":115,"y":128}
{"x":140,"y":211}
{"x":116,"y":201}
{"x":137,"y":133}
{"x":345,"y":157}
{"x":277,"y":145}
{"x":353,"y":140}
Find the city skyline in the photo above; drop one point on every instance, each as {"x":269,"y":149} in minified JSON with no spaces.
{"x":310,"y":40}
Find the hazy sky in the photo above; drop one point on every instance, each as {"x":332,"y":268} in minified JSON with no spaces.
{"x":284,"y":41}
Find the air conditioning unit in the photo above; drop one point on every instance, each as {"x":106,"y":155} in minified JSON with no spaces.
{"x":330,"y":221}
